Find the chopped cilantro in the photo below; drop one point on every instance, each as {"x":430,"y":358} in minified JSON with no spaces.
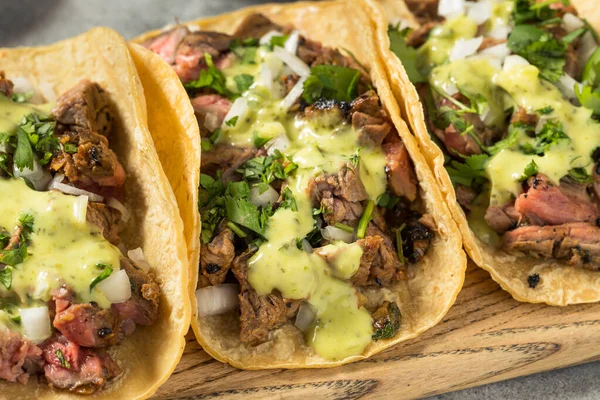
{"x":365,"y":219}
{"x":545,"y":110}
{"x":266,"y":169}
{"x":530,"y":170}
{"x":406,"y":54}
{"x":589,"y":98}
{"x":210,"y":78}
{"x":591,"y":71}
{"x":61,"y":358}
{"x":242,"y":212}
{"x":13,"y":256}
{"x":387,"y":200}
{"x":236,"y":229}
{"x":21,"y":97}
{"x":472,"y":171}
{"x":245,"y":49}
{"x":207,"y":143}
{"x":532,"y":11}
{"x":260,"y":141}
{"x":330,"y":82}
{"x":570,"y":37}
{"x":70,"y":148}
{"x":232,"y":121}
{"x":103,"y":275}
{"x":23,"y":157}
{"x":580,"y":175}
{"x":355,"y":158}
{"x":278,"y":40}
{"x":550,"y":134}
{"x":388,"y":328}
{"x":288,"y":200}
{"x":6,"y":277}
{"x":344,"y":227}
{"x":243,"y":82}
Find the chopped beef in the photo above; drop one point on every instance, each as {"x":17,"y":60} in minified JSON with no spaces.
{"x":256,"y":26}
{"x":490,"y":42}
{"x":328,"y":112}
{"x":18,"y":357}
{"x":226,"y":158}
{"x":418,"y":36}
{"x":455,"y":142}
{"x":399,"y":167}
{"x":428,"y":221}
{"x":379,"y":263}
{"x":314,"y":53}
{"x":259,"y":314}
{"x":6,"y":85}
{"x":289,"y":81}
{"x":80,"y":370}
{"x":578,"y":242}
{"x":424,"y":10}
{"x":572,"y":60}
{"x":217,"y":257}
{"x":501,"y":219}
{"x":210,"y":110}
{"x":416,"y":239}
{"x":522,"y":116}
{"x":87,"y":325}
{"x":547,"y":204}
{"x":465,"y":195}
{"x":190,"y":56}
{"x":386,"y":320}
{"x":370,"y":119}
{"x":167,"y":43}
{"x":106,"y":218}
{"x":344,"y":184}
{"x":340,"y":211}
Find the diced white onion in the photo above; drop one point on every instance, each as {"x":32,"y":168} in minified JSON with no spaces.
{"x":292,"y":61}
{"x":116,"y":288}
{"x":281,"y":143}
{"x":465,"y":47}
{"x":513,"y":61}
{"x":291,"y":44}
{"x":305,"y":317}
{"x":36,"y":323}
{"x":137,"y":256}
{"x":48,"y":92}
{"x":332,"y":233}
{"x":239,"y":109}
{"x":306,"y":246}
{"x":80,"y":209}
{"x":259,"y":199}
{"x":22,"y":85}
{"x":570,"y":22}
{"x":193,"y":27}
{"x":499,"y":32}
{"x":38,"y":176}
{"x":541,"y":122}
{"x":294,"y":94}
{"x":56,"y":183}
{"x":212,"y":121}
{"x":266,"y":39}
{"x":266,"y":76}
{"x":116,"y":204}
{"x":587,"y":46}
{"x":451,"y":8}
{"x":450,"y":88}
{"x":498,"y":52}
{"x":215,"y":300}
{"x":479,"y":12}
{"x":566,"y":85}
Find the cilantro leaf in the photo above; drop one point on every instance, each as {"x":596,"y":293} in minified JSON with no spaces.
{"x":406,"y":54}
{"x":530,"y":170}
{"x":13,"y":256}
{"x":589,"y":98}
{"x":545,"y":110}
{"x":388,"y":326}
{"x":260,"y":141}
{"x":210,"y":78}
{"x":551,"y":133}
{"x":21,"y":97}
{"x":288,"y":200}
{"x":6,"y":277}
{"x":245,"y":49}
{"x":540,"y":49}
{"x":330,"y":82}
{"x":61,"y":358}
{"x":387,"y":200}
{"x":232,"y":121}
{"x":279,"y":40}
{"x":570,"y":37}
{"x":580,"y":175}
{"x":243,"y":82}
{"x":532,"y":11}
{"x":23,"y":157}
{"x":472,"y":171}
{"x":242,"y":212}
{"x":510,"y":140}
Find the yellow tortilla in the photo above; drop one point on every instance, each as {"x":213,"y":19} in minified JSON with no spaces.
{"x":560,"y":284}
{"x":424,"y":299}
{"x":149,"y":355}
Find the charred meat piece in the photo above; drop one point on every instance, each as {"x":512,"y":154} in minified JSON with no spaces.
{"x":87,"y":325}
{"x":259,"y":314}
{"x":6,"y":85}
{"x":419,"y":36}
{"x":190,"y":56}
{"x":521,"y":116}
{"x":18,"y":357}
{"x":256,"y":26}
{"x":210,"y":110}
{"x":465,"y":195}
{"x":416,"y":238}
{"x":340,"y":211}
{"x":106,"y":218}
{"x":399,"y":167}
{"x":547,"y":204}
{"x":80,"y":370}
{"x":386,"y":321}
{"x":579,"y":243}
{"x":425,"y":10}
{"x":217,"y":257}
{"x":502,"y":219}
{"x":370,"y":119}
{"x":345,"y":184}
{"x":226,"y":158}
{"x":379,"y":263}
{"x":490,"y":42}
{"x":167,"y":43}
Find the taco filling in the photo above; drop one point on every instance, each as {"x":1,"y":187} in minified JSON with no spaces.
{"x":308,"y":197}
{"x":511,"y":93}
{"x":69,"y":290}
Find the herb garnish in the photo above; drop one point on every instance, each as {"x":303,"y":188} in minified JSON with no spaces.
{"x":330,"y":82}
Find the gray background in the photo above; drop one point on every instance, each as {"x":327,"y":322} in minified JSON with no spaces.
{"x":32,"y":22}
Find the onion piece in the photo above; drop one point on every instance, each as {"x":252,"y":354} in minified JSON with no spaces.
{"x":215,"y":300}
{"x":513,"y":61}
{"x":332,"y":234}
{"x":117,"y":287}
{"x":38,"y":176}
{"x":292,"y":61}
{"x":499,"y":32}
{"x":291,"y":45}
{"x":306,"y":246}
{"x":451,"y":8}
{"x":56,"y":183}
{"x":137,"y":256}
{"x":266,"y":76}
{"x":36,"y":323}
{"x":266,"y":38}
{"x":570,"y":22}
{"x":465,"y":47}
{"x":566,"y":85}
{"x":281,"y":143}
{"x":587,"y":46}
{"x":47,"y":92}
{"x":294,"y":94}
{"x":259,"y":199}
{"x":305,"y":317}
{"x":479,"y":12}
{"x":116,"y":204}
{"x":239,"y":109}
{"x":450,"y":88}
{"x":80,"y":209}
{"x":498,"y":52}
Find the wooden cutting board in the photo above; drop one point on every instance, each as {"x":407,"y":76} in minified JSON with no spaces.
{"x":486,"y":337}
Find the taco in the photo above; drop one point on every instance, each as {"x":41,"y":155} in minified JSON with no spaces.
{"x":504,"y":106}
{"x":93,"y":273}
{"x":323,"y":236}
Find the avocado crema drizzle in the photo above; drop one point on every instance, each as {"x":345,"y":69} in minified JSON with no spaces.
{"x":303,"y":147}
{"x":45,"y":238}
{"x":534,"y":115}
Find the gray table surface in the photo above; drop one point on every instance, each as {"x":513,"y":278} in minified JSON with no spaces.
{"x":34,"y":22}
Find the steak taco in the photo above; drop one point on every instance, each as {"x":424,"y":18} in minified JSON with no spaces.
{"x":506,"y":112}
{"x":323,"y":237}
{"x":93,"y":273}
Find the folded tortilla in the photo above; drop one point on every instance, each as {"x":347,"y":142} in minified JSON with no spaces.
{"x":560,"y":284}
{"x":151,"y":353}
{"x":423,"y":299}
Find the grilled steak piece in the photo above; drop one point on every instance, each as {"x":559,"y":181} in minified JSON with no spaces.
{"x":425,"y":10}
{"x":578,"y":242}
{"x":256,"y":26}
{"x":416,"y":239}
{"x":106,"y":218}
{"x":217,"y":257}
{"x":501,"y":219}
{"x":370,"y":119}
{"x":190,"y":56}
{"x":226,"y":158}
{"x":210,"y":110}
{"x":18,"y":357}
{"x":379,"y":263}
{"x":399,"y":167}
{"x":464,"y":195}
{"x":419,"y":36}
{"x":6,"y":85}
{"x":345,"y":184}
{"x":81,"y":370}
{"x":167,"y":43}
{"x":547,"y":204}
{"x":339,"y":210}
{"x":521,"y":116}
{"x":87,"y":325}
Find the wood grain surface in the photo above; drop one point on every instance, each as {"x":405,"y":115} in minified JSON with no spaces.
{"x":486,"y":337}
